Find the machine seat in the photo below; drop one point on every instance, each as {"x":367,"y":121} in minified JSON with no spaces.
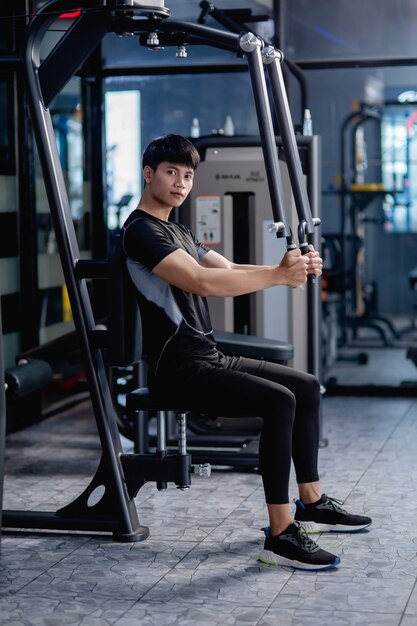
{"x":141,"y":399}
{"x":252,"y":346}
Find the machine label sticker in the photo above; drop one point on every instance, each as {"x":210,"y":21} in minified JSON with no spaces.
{"x":255,"y":177}
{"x":227,"y":177}
{"x":208,"y":222}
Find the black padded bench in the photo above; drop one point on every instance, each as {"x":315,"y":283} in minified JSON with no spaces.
{"x":252,"y":346}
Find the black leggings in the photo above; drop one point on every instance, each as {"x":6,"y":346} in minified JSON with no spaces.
{"x":288,"y":400}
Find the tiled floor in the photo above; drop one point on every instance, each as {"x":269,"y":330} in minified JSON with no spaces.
{"x":199,"y":566}
{"x":385,"y":366}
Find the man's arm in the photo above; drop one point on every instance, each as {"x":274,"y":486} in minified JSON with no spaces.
{"x":214,"y":259}
{"x":219,"y":278}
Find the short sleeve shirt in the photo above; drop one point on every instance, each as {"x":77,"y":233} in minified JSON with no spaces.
{"x":176,"y":324}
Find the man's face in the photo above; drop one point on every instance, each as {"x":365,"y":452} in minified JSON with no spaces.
{"x":170,"y":183}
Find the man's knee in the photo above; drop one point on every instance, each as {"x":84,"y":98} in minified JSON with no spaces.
{"x":313,"y":388}
{"x":284,"y":406}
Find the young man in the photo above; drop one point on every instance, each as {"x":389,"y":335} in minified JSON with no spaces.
{"x":173,"y":273}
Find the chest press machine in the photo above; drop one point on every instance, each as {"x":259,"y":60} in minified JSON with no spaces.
{"x":119,"y":476}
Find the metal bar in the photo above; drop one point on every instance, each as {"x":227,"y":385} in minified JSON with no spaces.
{"x":200,"y":34}
{"x":161,"y":444}
{"x":77,"y":290}
{"x":302,"y":81}
{"x":161,"y":70}
{"x":278,"y":11}
{"x":49,"y":520}
{"x":251,"y":45}
{"x":354,"y":119}
{"x":92,"y":105}
{"x":10,"y":62}
{"x":27,"y":220}
{"x":182,"y":433}
{"x":314,"y":352}
{"x":92,"y":268}
{"x":272,"y":59}
{"x":2,"y":422}
{"x":314,"y":318}
{"x":216,"y":37}
{"x":336,"y":64}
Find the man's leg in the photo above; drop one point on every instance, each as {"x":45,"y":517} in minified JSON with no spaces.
{"x":315,"y":511}
{"x":238,"y":387}
{"x":305,"y":391}
{"x":246,"y":387}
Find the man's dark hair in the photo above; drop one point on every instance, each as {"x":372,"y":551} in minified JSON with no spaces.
{"x":171,"y":148}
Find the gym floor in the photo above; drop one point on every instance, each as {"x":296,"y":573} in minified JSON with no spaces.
{"x":367,"y":362}
{"x":199,"y":564}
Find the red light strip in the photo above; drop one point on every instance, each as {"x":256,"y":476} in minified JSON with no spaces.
{"x":69,"y":16}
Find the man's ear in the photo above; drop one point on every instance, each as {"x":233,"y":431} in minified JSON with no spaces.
{"x":147,"y":173}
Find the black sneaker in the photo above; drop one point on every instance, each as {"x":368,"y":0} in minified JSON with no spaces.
{"x":294,"y":548}
{"x":326,"y":515}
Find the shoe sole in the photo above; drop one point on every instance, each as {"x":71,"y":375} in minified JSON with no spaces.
{"x":270,"y":558}
{"x":315,"y":527}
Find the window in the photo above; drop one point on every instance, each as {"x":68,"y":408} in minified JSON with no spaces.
{"x":399,"y":168}
{"x":123,"y":154}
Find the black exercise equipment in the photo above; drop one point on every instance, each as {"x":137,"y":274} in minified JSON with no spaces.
{"x":25,"y":384}
{"x":254,"y":347}
{"x":230,"y":441}
{"x":27,"y":378}
{"x":412,"y":350}
{"x":412,"y":326}
{"x":237,"y":20}
{"x":221,"y":441}
{"x":334,"y":286}
{"x":355,"y":198}
{"x":121,"y":475}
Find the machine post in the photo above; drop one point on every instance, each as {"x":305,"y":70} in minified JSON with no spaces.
{"x":251,"y":45}
{"x":272,"y":59}
{"x":306,"y":231}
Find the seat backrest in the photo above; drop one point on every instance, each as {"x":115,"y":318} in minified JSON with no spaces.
{"x":123,"y":316}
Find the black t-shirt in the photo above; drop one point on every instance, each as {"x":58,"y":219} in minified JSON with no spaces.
{"x":176,"y":324}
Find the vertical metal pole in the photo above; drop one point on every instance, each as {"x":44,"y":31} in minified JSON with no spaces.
{"x":28,"y":247}
{"x":306,"y":231}
{"x":2,"y":423}
{"x":314,"y":320}
{"x":161,"y":444}
{"x":272,"y":59}
{"x":161,"y":439}
{"x":278,"y":9}
{"x":251,"y":45}
{"x":77,"y":289}
{"x":182,"y":433}
{"x":307,"y":223}
{"x":314,"y":293}
{"x":92,"y":103}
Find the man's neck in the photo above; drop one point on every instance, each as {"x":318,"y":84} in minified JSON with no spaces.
{"x":156,"y":209}
{"x":161,"y":213}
